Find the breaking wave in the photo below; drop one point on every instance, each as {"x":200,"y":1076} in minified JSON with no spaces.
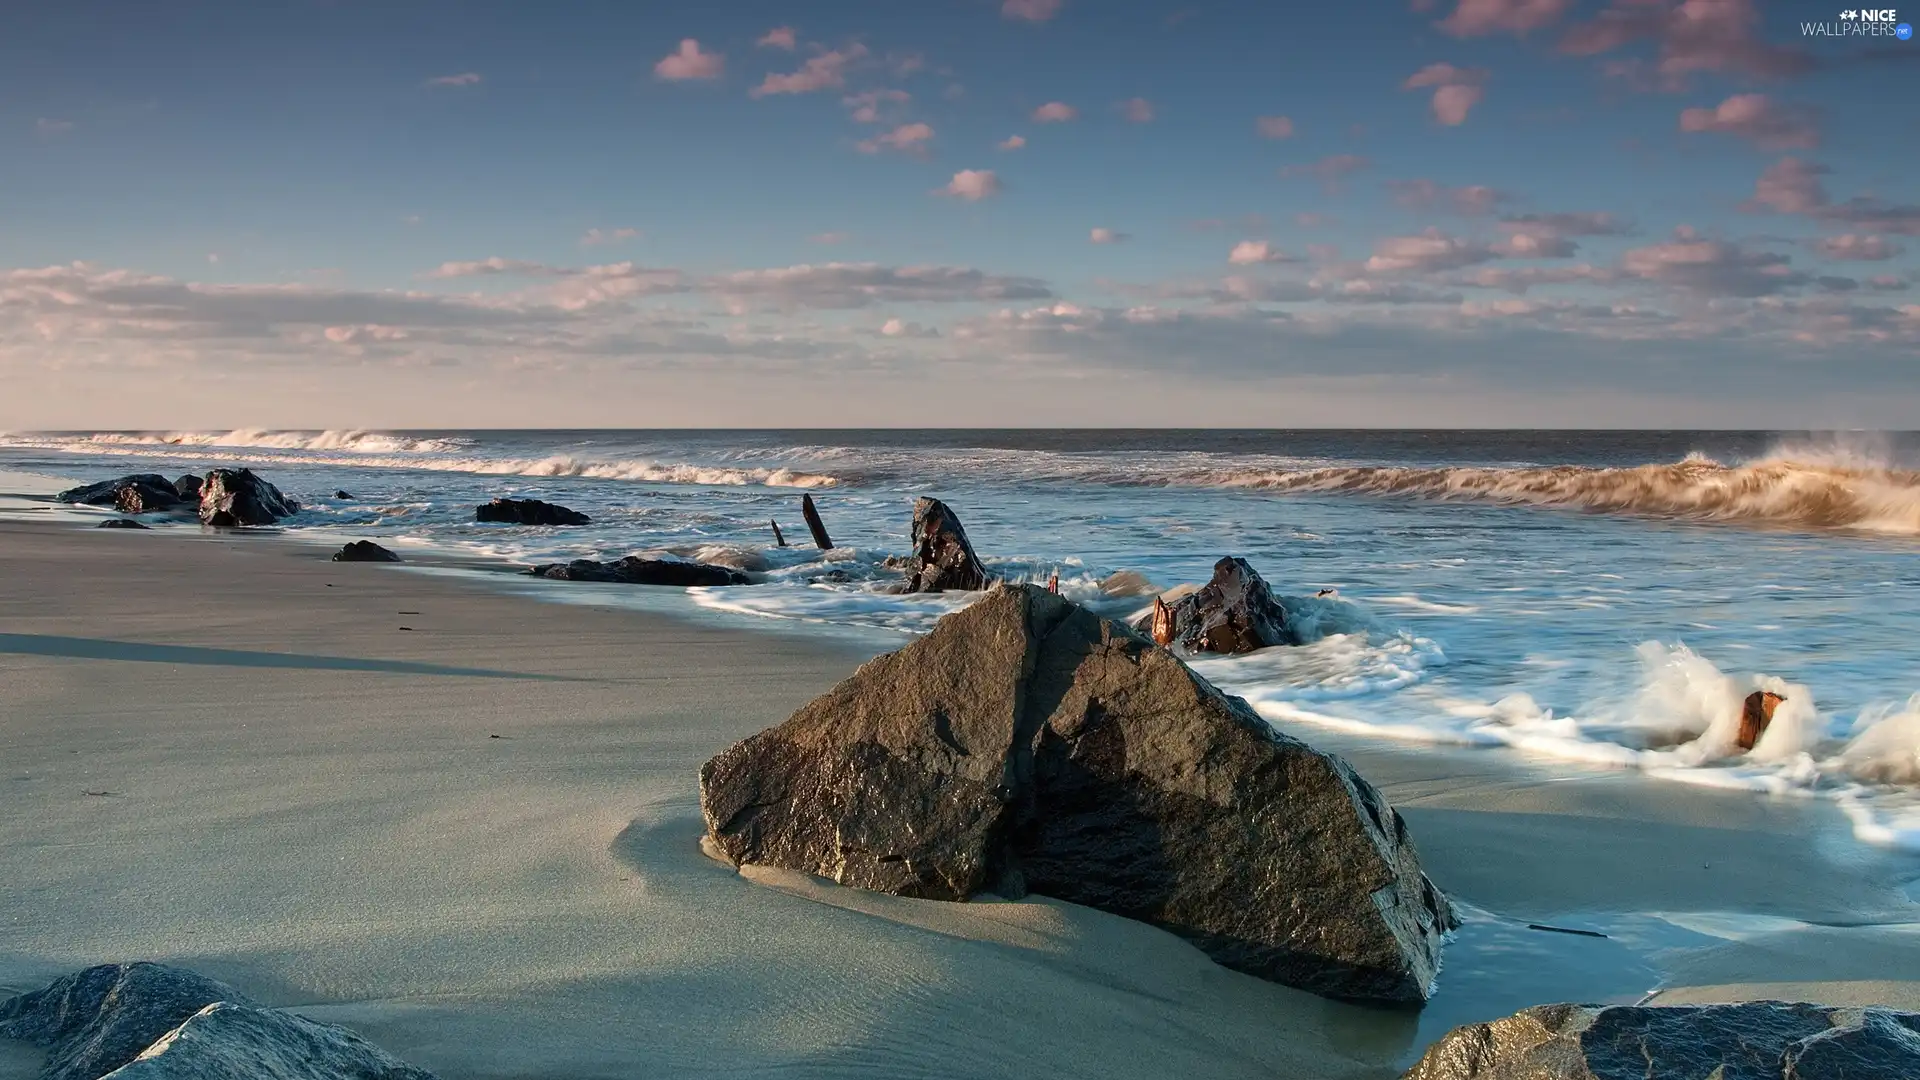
{"x":1800,"y":492}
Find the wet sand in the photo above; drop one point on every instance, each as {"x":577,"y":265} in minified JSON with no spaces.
{"x":466,"y":824}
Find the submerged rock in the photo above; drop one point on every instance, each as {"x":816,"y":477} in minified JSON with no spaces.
{"x":151,"y":1022}
{"x":364,"y":551}
{"x":342,"y":495}
{"x":140,"y":493}
{"x":1755,"y":714}
{"x":97,"y":1020}
{"x":943,"y":560}
{"x":119,"y":523}
{"x":1026,"y":744}
{"x":634,"y":570}
{"x":529,"y":512}
{"x":235,"y":497}
{"x":1756,"y":1040}
{"x":188,"y":488}
{"x":1233,"y":613}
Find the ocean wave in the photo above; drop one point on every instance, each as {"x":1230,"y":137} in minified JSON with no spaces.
{"x":1804,"y":491}
{"x":375,"y":450}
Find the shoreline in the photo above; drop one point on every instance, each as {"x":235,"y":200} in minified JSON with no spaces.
{"x":606,"y":711}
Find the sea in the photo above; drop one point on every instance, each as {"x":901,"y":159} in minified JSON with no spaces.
{"x":1580,"y":600}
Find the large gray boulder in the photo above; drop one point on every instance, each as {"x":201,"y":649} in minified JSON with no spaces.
{"x":1028,"y":744}
{"x":226,"y":1041}
{"x":943,"y":559}
{"x":151,"y":1022}
{"x":1756,"y":1040}
{"x":1235,"y":612}
{"x":233,"y":497}
{"x":97,"y":1020}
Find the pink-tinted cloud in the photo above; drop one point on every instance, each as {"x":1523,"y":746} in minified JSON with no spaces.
{"x":1535,"y":245}
{"x":1691,"y":36}
{"x":1455,"y":90}
{"x":1478,"y":18}
{"x":48,"y":125}
{"x":1474,"y":199}
{"x":1331,"y":171}
{"x":1790,"y":186}
{"x":827,"y":71}
{"x":465,"y":78}
{"x":1274,"y":127}
{"x":1257,"y":252}
{"x":1107,"y":236}
{"x":1038,"y":11}
{"x":830,"y":238}
{"x":1711,"y":267}
{"x":1568,"y":223}
{"x":1756,"y":117}
{"x":1429,"y":251}
{"x":603,"y":237}
{"x":688,"y":62}
{"x":872,"y":106}
{"x":1012,"y":142}
{"x":1853,"y":247}
{"x":1137,"y":110}
{"x":972,"y":185}
{"x":1055,"y":112}
{"x":780,"y":37}
{"x":906,"y":139}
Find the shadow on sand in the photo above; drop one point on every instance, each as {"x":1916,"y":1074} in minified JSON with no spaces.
{"x":81,"y":648}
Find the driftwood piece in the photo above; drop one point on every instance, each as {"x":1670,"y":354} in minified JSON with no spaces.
{"x":819,"y":529}
{"x":778,"y":540}
{"x":1755,"y":714}
{"x":1162,"y":623}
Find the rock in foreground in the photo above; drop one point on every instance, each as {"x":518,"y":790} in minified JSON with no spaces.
{"x":364,"y":551}
{"x":943,"y":560}
{"x":150,"y":1022}
{"x":1758,"y":1040}
{"x":141,"y":493}
{"x":634,"y":570}
{"x":234,"y":497}
{"x":529,"y":512}
{"x":1027,"y":744}
{"x":1235,"y":612}
{"x":119,"y":523}
{"x":188,"y":488}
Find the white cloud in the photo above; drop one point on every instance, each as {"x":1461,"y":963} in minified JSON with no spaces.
{"x":1255,"y":252}
{"x":1758,"y":118}
{"x":1455,"y":90}
{"x":465,"y":78}
{"x":1107,"y":236}
{"x":1137,"y":110}
{"x":973,"y":185}
{"x":1055,"y":112}
{"x":906,"y":139}
{"x":688,"y":62}
{"x":1038,"y":11}
{"x":604,"y":237}
{"x":1274,"y":127}
{"x":874,"y":106}
{"x":827,"y":71}
{"x":1429,"y":251}
{"x":1011,"y":142}
{"x":780,"y":37}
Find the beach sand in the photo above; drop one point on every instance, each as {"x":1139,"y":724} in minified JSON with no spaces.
{"x":466,"y":824}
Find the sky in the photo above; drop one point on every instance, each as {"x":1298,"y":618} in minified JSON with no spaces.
{"x":428,"y":213}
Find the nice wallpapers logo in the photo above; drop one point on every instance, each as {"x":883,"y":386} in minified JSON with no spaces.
{"x":1863,"y":22}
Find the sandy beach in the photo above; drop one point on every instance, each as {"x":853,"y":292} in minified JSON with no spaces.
{"x":465,"y":824}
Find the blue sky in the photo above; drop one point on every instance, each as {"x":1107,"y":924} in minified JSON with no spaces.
{"x":328,"y":212}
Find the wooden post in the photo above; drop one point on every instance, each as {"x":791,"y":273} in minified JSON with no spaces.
{"x":1162,"y":623}
{"x":820,"y":538}
{"x":778,"y":540}
{"x":1755,"y":714}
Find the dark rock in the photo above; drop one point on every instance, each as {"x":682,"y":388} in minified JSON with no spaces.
{"x":188,"y":488}
{"x":342,"y":495}
{"x":364,"y":551}
{"x":149,"y":1022}
{"x":1756,"y":1040}
{"x":138,"y":494}
{"x":227,"y":1041}
{"x":634,"y":570}
{"x":234,"y":497}
{"x":119,"y":523}
{"x":1233,"y":613}
{"x":1028,"y":744}
{"x":943,"y":560}
{"x":529,"y":512}
{"x":814,"y":525}
{"x":93,"y":1022}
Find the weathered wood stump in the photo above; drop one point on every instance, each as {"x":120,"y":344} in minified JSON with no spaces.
{"x":778,"y":539}
{"x":1755,"y":715}
{"x":1162,"y":623}
{"x":819,"y":529}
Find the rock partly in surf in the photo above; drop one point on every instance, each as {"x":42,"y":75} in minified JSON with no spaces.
{"x":235,"y":497}
{"x":137,"y":494}
{"x":188,"y":488}
{"x":1757,"y":1040}
{"x":1233,"y":613}
{"x":364,"y":551}
{"x":119,"y":523}
{"x":1026,"y":744}
{"x":151,"y":1022}
{"x":529,"y":512}
{"x":943,"y":560}
{"x":1755,"y":714}
{"x":634,"y":570}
